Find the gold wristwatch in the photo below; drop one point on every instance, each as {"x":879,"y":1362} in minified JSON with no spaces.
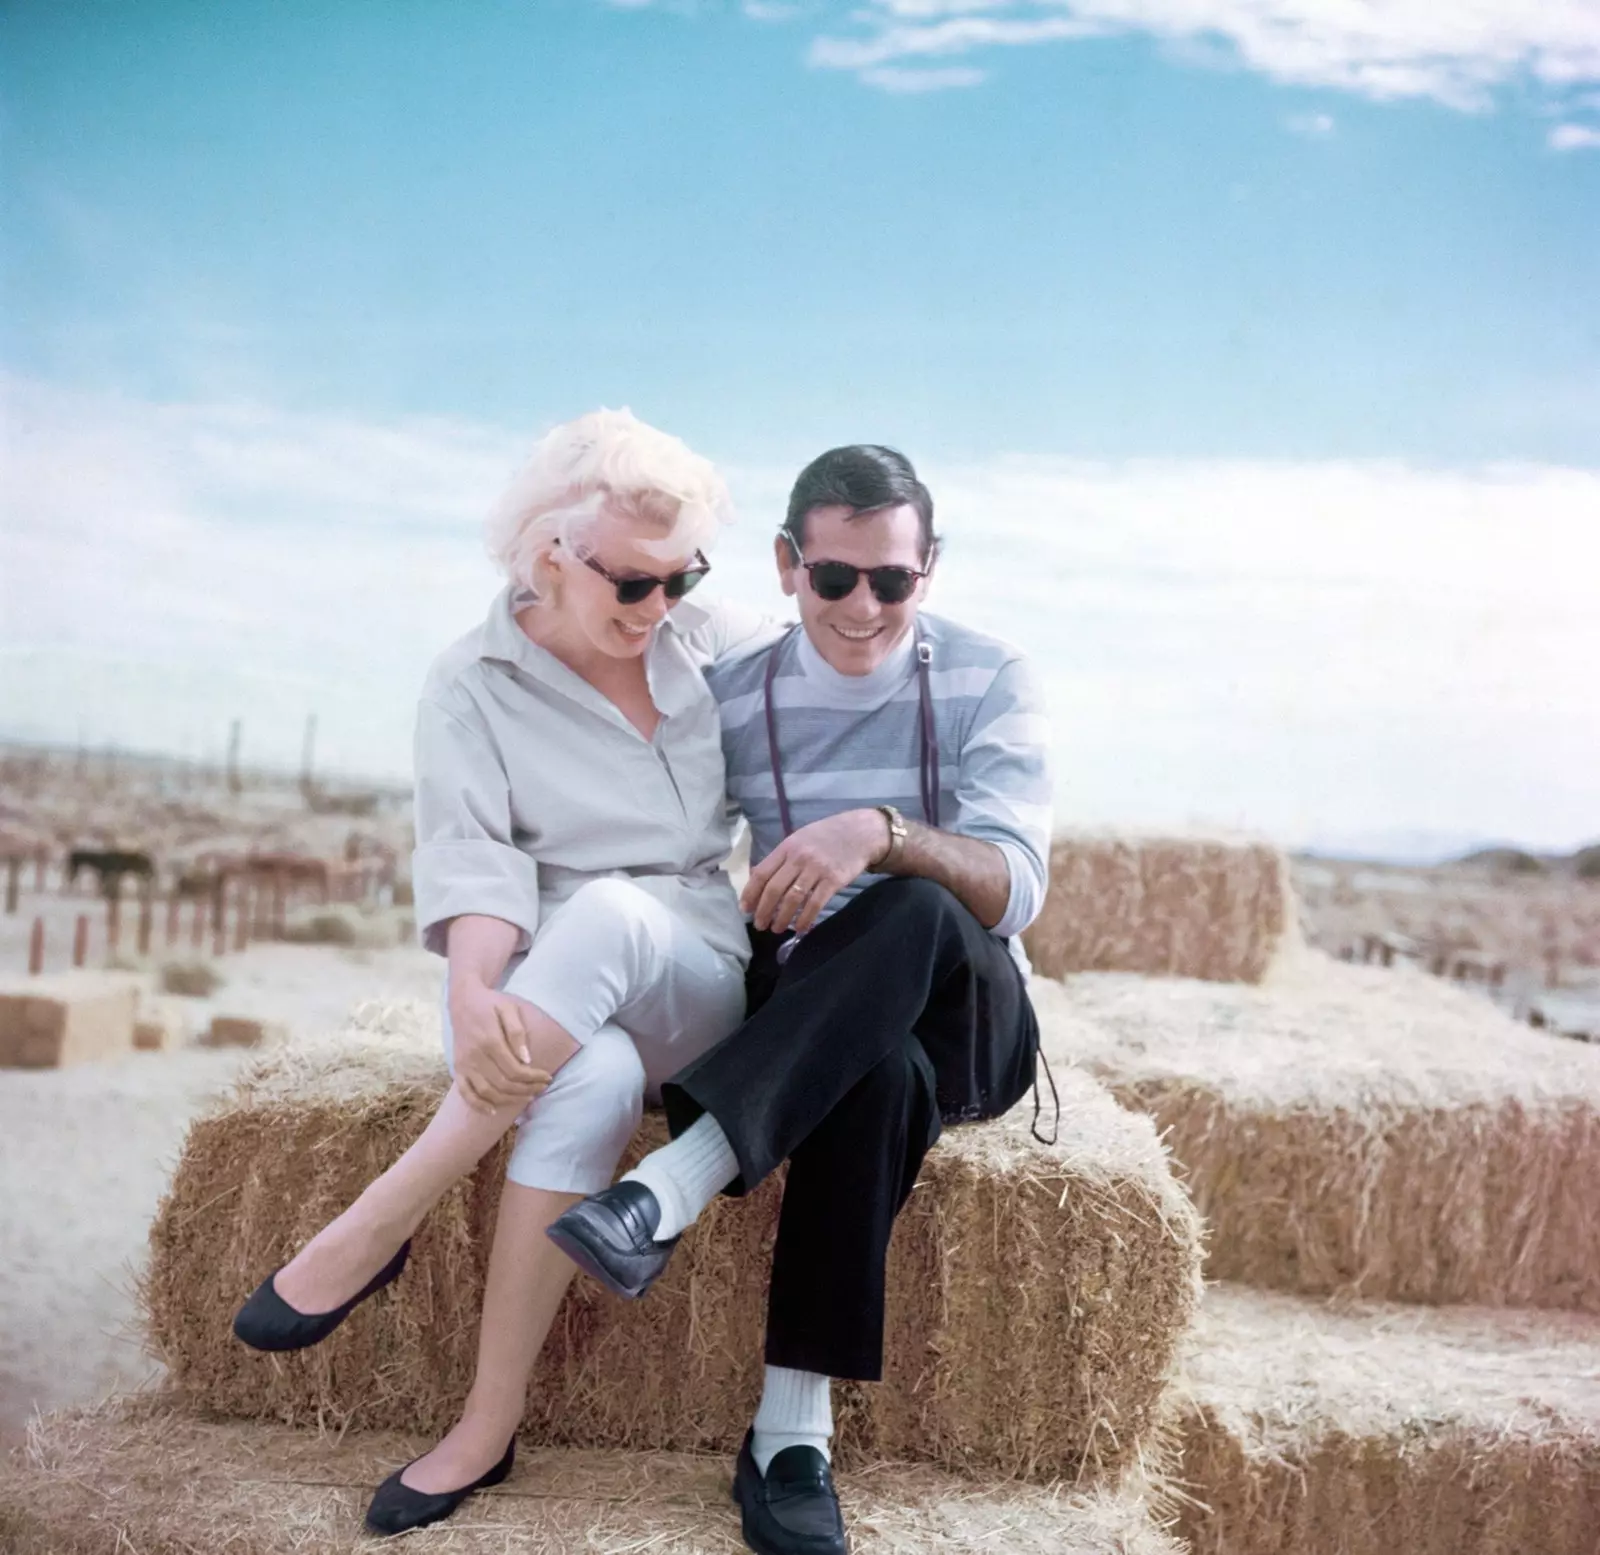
{"x":897,"y":837}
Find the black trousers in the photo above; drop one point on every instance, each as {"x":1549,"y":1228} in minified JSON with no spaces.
{"x":899,"y":1013}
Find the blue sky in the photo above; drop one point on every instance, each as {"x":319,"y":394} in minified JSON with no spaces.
{"x":1190,"y":275}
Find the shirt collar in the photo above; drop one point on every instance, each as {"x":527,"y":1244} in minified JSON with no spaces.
{"x":502,"y":640}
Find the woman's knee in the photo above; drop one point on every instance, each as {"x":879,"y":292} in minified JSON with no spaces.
{"x":606,"y":922}
{"x":610,"y":901}
{"x":605,"y":1075}
{"x":570,"y":1138}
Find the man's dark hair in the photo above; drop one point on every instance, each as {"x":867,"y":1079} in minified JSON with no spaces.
{"x":866,"y":478}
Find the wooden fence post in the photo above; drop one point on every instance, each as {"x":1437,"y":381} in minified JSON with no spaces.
{"x":13,"y":880}
{"x":36,"y":948}
{"x":80,"y":940}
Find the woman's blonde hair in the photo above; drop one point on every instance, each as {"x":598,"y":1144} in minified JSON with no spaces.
{"x":606,"y":461}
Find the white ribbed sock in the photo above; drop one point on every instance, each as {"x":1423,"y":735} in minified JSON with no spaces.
{"x":796,"y":1411}
{"x":687,"y":1174}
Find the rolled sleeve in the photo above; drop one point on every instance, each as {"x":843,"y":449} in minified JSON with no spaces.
{"x":465,"y":861}
{"x":1028,"y":882}
{"x":1004,"y":791}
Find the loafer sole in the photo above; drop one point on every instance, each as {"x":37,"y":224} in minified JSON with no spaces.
{"x":578,"y":1251}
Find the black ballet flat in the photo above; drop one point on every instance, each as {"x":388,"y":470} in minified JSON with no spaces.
{"x":397,"y":1508}
{"x":267,"y":1322}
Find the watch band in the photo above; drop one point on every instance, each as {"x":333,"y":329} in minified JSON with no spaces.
{"x":897,"y":836}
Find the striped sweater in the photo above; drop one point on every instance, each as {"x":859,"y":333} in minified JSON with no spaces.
{"x":851,"y":741}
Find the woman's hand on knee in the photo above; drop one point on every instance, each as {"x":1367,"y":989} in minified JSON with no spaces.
{"x":493,"y":1068}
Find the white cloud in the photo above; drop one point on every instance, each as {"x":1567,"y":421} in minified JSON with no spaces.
{"x":1314,"y":126}
{"x":1574,"y":137}
{"x":1312,"y":649}
{"x":1456,"y":54}
{"x":256,"y":557}
{"x":898,"y":79}
{"x":956,"y":35}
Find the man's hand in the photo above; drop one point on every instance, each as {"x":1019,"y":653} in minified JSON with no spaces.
{"x":795,"y":881}
{"x":493,"y":1069}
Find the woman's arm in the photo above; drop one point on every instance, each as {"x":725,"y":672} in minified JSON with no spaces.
{"x":477,"y":900}
{"x":465,"y":863}
{"x":493,"y":1057}
{"x":479,"y":948}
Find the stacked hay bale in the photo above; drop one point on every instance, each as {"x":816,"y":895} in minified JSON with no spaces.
{"x":1359,"y":1131}
{"x":68,"y":1018}
{"x":1371,"y":1428}
{"x":1039,"y":1293}
{"x":1369,"y":1136}
{"x":1165,"y":906}
{"x":1038,"y":1299}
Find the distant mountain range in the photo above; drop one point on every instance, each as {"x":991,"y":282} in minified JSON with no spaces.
{"x":1432,"y":848}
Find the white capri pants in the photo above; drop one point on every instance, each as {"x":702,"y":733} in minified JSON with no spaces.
{"x":643,"y":995}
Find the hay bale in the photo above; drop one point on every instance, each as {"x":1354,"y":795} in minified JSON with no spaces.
{"x":190,"y":979}
{"x":69,"y":1018}
{"x":1037,"y":1295}
{"x":1375,"y":1429}
{"x":242,"y":1031}
{"x":1358,"y":1130}
{"x":1171,"y":906}
{"x":322,"y":926}
{"x":163,"y":1025}
{"x":349,"y":925}
{"x":137,"y":1474}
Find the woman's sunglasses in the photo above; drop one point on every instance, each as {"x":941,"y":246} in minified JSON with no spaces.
{"x":631,"y":591}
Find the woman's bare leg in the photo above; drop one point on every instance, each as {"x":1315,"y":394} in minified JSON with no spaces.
{"x":528,"y":1275}
{"x":349,"y":1250}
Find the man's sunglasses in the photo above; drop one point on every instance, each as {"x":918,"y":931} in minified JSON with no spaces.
{"x":837,"y":580}
{"x":632,"y":591}
{"x":834,"y":581}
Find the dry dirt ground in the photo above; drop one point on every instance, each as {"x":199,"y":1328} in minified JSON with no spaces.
{"x":85,"y":1153}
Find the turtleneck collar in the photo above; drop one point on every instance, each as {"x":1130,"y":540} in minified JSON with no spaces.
{"x":860,"y":690}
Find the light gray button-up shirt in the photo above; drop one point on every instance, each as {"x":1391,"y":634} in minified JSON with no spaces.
{"x":530,"y":783}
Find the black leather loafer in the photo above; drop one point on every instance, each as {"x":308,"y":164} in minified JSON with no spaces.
{"x":609,"y":1236}
{"x":267,"y":1322}
{"x":793,"y":1508}
{"x":397,"y":1508}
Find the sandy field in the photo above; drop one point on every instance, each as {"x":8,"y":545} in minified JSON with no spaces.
{"x":85,"y":1153}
